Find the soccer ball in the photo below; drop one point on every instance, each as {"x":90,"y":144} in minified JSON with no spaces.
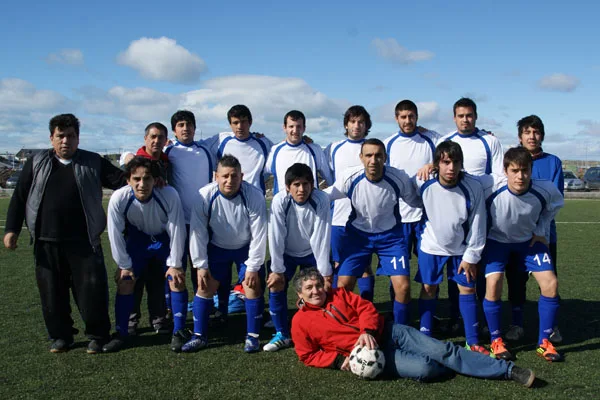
{"x":366,"y":363}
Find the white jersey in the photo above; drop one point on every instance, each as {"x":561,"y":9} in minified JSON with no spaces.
{"x":229,"y":223}
{"x":455,"y":221}
{"x":340,"y":156}
{"x":299,"y":230}
{"x":375,"y":204}
{"x":410,"y":152}
{"x":161,"y":213}
{"x":192,"y":167}
{"x":482,"y":152}
{"x":251,"y":152}
{"x":283,"y":155}
{"x":516,"y":218}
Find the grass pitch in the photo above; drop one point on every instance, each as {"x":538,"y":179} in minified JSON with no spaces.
{"x":150,"y":370}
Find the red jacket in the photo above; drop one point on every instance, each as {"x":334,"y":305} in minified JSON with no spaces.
{"x":321,"y":334}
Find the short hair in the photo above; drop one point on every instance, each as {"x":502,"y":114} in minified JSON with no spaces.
{"x":532,"y":121}
{"x":229,"y":161}
{"x":406,"y":105}
{"x":451,"y":149}
{"x":63,"y":122}
{"x":299,"y":171}
{"x":140,"y":162}
{"x":306,"y":274}
{"x":355,"y":112}
{"x":182,"y":115}
{"x":518,"y":156}
{"x":156,"y":125}
{"x":294,"y":115}
{"x":239,"y":111}
{"x":373,"y":141}
{"x":467,"y":103}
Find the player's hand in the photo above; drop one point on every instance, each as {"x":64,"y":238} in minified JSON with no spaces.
{"x":251,"y":279}
{"x":124,"y":276}
{"x":469,"y":269}
{"x":177,"y":275}
{"x":424,"y":172}
{"x":346,"y":365}
{"x":258,"y":135}
{"x":328,"y":283}
{"x":535,"y":239}
{"x":366,"y":340}
{"x":276,"y":281}
{"x":306,"y":139}
{"x":203,"y":278}
{"x":10,"y":240}
{"x":159,"y":182}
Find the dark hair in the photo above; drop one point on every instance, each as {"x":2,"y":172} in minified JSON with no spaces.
{"x":62,"y":122}
{"x":306,"y":274}
{"x":519,"y":156}
{"x":299,"y":171}
{"x":467,"y":103}
{"x":373,"y":141}
{"x":140,"y":162}
{"x":294,"y":115}
{"x":239,"y":111}
{"x":406,"y":105}
{"x":451,"y":149}
{"x":183,"y":115}
{"x":532,"y":121}
{"x":158,"y":126}
{"x":229,"y":161}
{"x":355,"y":112}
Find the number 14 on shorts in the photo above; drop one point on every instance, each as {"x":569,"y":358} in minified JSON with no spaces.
{"x":395,"y":261}
{"x":545,"y":259}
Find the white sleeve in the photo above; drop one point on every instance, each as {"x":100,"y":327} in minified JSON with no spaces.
{"x":212,"y":144}
{"x":277,"y":235}
{"x":497,"y":158}
{"x":199,"y":233}
{"x":409,"y":193}
{"x":176,"y":231}
{"x":267,"y":170}
{"x":327,"y":153}
{"x":337,"y":190}
{"x":554,"y":203}
{"x":115,"y":227}
{"x":257,"y":209}
{"x":320,"y":239}
{"x":323,"y":167}
{"x":477,"y":227}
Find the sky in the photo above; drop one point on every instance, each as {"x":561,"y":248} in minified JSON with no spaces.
{"x":119,"y":65}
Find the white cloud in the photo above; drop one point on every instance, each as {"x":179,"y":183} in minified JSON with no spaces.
{"x":558,"y":83}
{"x":591,"y":128}
{"x":162,"y":59}
{"x":22,"y":96}
{"x":66,"y":56}
{"x":389,"y":49}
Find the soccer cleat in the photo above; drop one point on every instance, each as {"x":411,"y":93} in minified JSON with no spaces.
{"x":117,"y":343}
{"x":279,"y":341}
{"x":479,"y":349}
{"x":555,"y":337}
{"x":95,"y":346}
{"x":547,"y":351}
{"x":61,"y":345}
{"x":524,"y":376}
{"x":500,"y":351}
{"x":515,"y":333}
{"x":179,"y":339}
{"x":252,"y":344}
{"x":196,"y":343}
{"x":132,"y":330}
{"x":162,"y":328}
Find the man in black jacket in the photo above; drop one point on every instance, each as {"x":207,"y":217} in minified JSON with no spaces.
{"x":59,"y":195}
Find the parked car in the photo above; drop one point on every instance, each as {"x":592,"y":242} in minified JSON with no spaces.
{"x":12,"y":180}
{"x":572,"y":182}
{"x":592,"y":178}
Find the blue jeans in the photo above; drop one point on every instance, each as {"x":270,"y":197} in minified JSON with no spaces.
{"x":411,"y":354}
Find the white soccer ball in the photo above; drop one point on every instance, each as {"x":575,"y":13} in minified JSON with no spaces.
{"x":366,"y":363}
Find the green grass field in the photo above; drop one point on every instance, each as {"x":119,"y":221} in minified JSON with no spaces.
{"x":150,"y":370}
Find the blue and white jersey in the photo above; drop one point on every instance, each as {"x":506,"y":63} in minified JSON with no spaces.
{"x":283,"y":155}
{"x":192,"y":167}
{"x":482,"y":152}
{"x":162,"y":212}
{"x":299,"y":230}
{"x":548,"y":166}
{"x":229,"y":223}
{"x":409,"y":152}
{"x":251,"y":152}
{"x":342,"y":155}
{"x":455,"y":218}
{"x":515,"y":218}
{"x":375,"y":203}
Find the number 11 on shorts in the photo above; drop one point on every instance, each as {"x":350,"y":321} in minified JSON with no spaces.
{"x":395,"y":261}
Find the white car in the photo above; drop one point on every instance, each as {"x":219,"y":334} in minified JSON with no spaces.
{"x":572,"y":182}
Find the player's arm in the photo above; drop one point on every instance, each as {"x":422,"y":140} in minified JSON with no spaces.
{"x":323,"y":166}
{"x":320,"y":240}
{"x":115,"y":227}
{"x":475,"y":240}
{"x":409,"y":190}
{"x":257,"y":211}
{"x":558,"y":179}
{"x":111,"y":177}
{"x":16,"y":209}
{"x":177,"y":236}
{"x":554,"y":203}
{"x":277,"y":232}
{"x":497,"y":157}
{"x":199,"y":233}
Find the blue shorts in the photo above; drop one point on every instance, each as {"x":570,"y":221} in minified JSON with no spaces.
{"x":220,"y":260}
{"x":531,"y":259}
{"x":143,"y":249}
{"x":431,"y":270}
{"x":412,"y":233}
{"x":338,"y":237}
{"x":291,"y":263}
{"x":390,"y":247}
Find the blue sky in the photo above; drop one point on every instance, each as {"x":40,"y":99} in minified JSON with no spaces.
{"x":121,"y":65}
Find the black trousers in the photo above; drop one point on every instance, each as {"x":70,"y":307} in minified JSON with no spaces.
{"x":60,"y":266}
{"x":153,"y":279}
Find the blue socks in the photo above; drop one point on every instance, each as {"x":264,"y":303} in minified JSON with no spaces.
{"x":201,"y":310}
{"x":468,"y":309}
{"x":179,"y":302}
{"x":400,"y":313}
{"x":493,"y":311}
{"x":279,"y":311}
{"x":366,"y":287}
{"x":254,"y":310}
{"x":123,"y":307}
{"x":547,"y":308}
{"x":426,"y":309}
